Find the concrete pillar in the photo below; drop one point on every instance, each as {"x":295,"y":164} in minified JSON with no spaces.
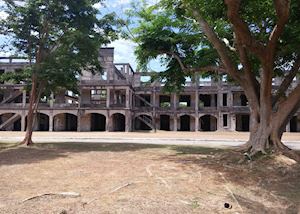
{"x":220,"y":99}
{"x":127,"y":122}
{"x":196,"y":110}
{"x":127,"y":98}
{"x":24,"y":98}
{"x":107,"y":98}
{"x":232,"y":122}
{"x":79,"y":121}
{"x":175,"y":123}
{"x":23,"y":122}
{"x":220,"y":121}
{"x":288,"y":127}
{"x":51,"y":123}
{"x":230,"y":99}
{"x":107,"y":122}
{"x":174,"y":106}
{"x":196,"y":123}
{"x":52,"y":100}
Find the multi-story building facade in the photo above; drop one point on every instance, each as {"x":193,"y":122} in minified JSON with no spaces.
{"x":120,"y":99}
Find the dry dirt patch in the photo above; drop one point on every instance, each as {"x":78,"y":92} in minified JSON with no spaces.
{"x":131,"y":178}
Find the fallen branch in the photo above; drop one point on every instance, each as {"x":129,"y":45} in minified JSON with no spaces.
{"x":120,"y":187}
{"x":63,"y":194}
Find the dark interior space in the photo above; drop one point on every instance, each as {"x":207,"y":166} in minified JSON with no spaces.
{"x":165,"y":122}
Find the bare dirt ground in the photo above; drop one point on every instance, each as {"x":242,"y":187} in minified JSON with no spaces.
{"x":136,"y":178}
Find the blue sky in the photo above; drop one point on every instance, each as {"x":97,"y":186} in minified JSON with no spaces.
{"x":124,"y":49}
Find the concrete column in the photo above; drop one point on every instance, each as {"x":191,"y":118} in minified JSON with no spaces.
{"x":107,"y":98}
{"x":107,"y":122}
{"x":51,"y":123}
{"x":175,"y":123}
{"x":230,"y":99}
{"x":220,"y":99}
{"x":24,"y":98}
{"x":220,"y":121}
{"x":127,"y":98}
{"x":232,"y":122}
{"x":79,"y":121}
{"x":288,"y":127}
{"x":196,"y":123}
{"x":23,"y":122}
{"x":52,"y":100}
{"x":196,"y":110}
{"x":174,"y":106}
{"x":127,"y":122}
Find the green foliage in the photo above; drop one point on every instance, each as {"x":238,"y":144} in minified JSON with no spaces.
{"x":170,"y":27}
{"x":61,"y":38}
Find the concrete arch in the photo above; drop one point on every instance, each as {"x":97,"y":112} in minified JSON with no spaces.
{"x":185,"y":122}
{"x":65,"y":122}
{"x":165,"y":122}
{"x":10,"y":121}
{"x":10,"y":112}
{"x":93,"y":122}
{"x":41,"y":122}
{"x":102,"y":112}
{"x":139,"y":114}
{"x":64,"y":112}
{"x":143,"y":122}
{"x":208,"y":122}
{"x":118,"y":122}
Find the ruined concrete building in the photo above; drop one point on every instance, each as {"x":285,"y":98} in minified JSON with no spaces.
{"x":120,"y":99}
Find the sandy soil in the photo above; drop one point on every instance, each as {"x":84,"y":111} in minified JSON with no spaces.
{"x":128,"y":178}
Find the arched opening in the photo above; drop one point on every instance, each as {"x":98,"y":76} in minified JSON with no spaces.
{"x":143,"y":122}
{"x":65,"y":122}
{"x":242,"y":122}
{"x":118,"y":122}
{"x":295,"y":124}
{"x":10,"y":122}
{"x":164,"y":122}
{"x":41,"y":122}
{"x":98,"y":122}
{"x":185,"y":123}
{"x":208,"y":123}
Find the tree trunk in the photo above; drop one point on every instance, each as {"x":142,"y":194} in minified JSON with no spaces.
{"x":30,"y":116}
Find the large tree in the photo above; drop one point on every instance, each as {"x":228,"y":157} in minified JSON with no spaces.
{"x":59,"y":38}
{"x":251,"y":42}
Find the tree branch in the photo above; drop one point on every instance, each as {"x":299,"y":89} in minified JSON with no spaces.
{"x":253,"y":94}
{"x":186,"y":69}
{"x":287,"y":81}
{"x":219,"y":46}
{"x":288,"y":106}
{"x":282,"y":8}
{"x":242,"y":30}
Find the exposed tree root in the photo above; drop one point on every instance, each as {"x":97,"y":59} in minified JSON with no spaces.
{"x":27,"y":142}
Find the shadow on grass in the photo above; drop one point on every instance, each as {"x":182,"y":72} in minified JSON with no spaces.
{"x":264,"y":173}
{"x":11,"y":155}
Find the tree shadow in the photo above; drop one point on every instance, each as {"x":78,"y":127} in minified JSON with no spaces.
{"x":264,"y":173}
{"x":47,"y":151}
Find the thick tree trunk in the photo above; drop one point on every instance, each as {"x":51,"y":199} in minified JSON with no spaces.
{"x":30,"y":116}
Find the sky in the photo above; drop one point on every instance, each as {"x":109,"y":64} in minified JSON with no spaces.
{"x":124,"y":49}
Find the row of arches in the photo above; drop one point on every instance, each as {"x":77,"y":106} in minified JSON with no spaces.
{"x":98,"y":122}
{"x":184,"y":123}
{"x":67,"y":122}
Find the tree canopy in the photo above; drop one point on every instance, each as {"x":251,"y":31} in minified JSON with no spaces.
{"x":59,"y":38}
{"x":251,"y":42}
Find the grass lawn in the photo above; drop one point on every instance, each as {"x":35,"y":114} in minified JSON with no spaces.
{"x":136,"y":178}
